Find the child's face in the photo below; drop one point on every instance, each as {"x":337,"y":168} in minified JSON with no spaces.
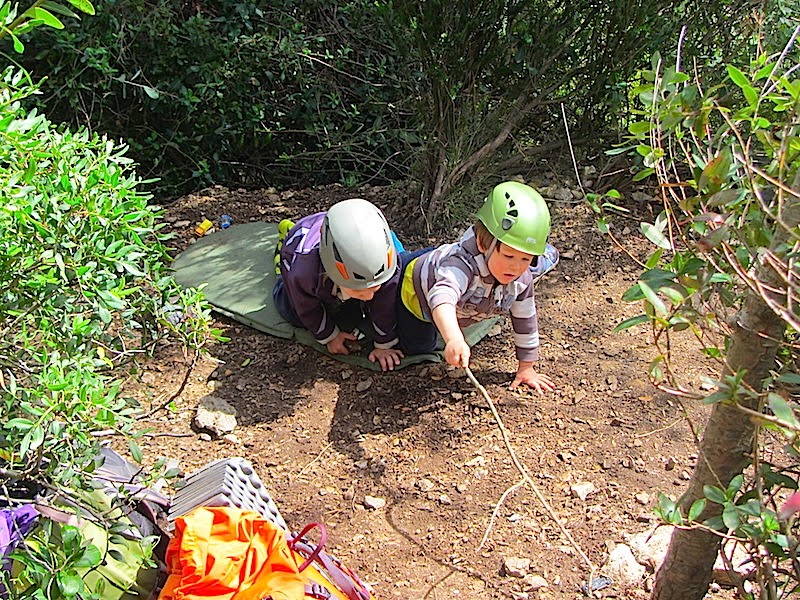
{"x":506,"y":264}
{"x":363,"y":295}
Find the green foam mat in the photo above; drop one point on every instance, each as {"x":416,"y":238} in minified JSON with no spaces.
{"x":236,"y":269}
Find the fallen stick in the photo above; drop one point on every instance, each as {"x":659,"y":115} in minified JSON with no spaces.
{"x":527,"y":478}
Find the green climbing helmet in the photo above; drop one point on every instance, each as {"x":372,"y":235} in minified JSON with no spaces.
{"x":517,"y":215}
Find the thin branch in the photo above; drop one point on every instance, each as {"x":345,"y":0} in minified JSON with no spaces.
{"x":527,"y":477}
{"x":179,"y":391}
{"x":496,"y":511}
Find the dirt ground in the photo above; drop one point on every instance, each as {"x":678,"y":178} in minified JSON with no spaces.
{"x":324,"y":435}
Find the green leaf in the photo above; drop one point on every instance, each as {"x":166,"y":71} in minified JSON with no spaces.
{"x":643,"y":174}
{"x":723,"y":197}
{"x":737,"y":76}
{"x":116,"y":555}
{"x":47,"y":17}
{"x":69,"y":583}
{"x":735,"y":485}
{"x":781,"y":408}
{"x":55,"y":7}
{"x":714,"y":494}
{"x":632,"y":322}
{"x":697,"y":509}
{"x":653,"y":298}
{"x":654,"y":258}
{"x":714,"y":172}
{"x":89,"y":557}
{"x":83,"y":6}
{"x":730,"y":516}
{"x":640,"y":127}
{"x":751,"y":95}
{"x":152,"y":92}
{"x":136,"y":452}
{"x":655,"y":235}
{"x":790,"y":378}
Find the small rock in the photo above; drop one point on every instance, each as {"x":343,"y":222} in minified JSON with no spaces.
{"x":685,"y":475}
{"x":374,"y":503}
{"x":516,"y":567}
{"x":643,"y":498}
{"x":670,"y":464}
{"x":496,"y":329}
{"x":582,"y":489}
{"x":563,"y":194}
{"x":362,"y":464}
{"x":478,"y":461}
{"x":535,"y":582}
{"x":347,"y":374}
{"x":568,"y":254}
{"x":231,"y":438}
{"x":622,"y":567}
{"x":215,"y":415}
{"x":181,"y":224}
{"x":425,"y":485}
{"x":204,"y":437}
{"x":461,"y":488}
{"x":364,"y":385}
{"x":445,"y":500}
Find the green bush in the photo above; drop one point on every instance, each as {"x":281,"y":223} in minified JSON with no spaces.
{"x":235,"y":91}
{"x":85,"y":284}
{"x":84,"y":288}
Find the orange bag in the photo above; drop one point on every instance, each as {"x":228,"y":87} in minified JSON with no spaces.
{"x":225,"y":553}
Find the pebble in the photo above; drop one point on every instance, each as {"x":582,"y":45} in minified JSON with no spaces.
{"x":374,"y":502}
{"x":514,"y":566}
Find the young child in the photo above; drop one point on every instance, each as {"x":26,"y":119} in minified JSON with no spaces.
{"x":337,"y":260}
{"x":491,"y":270}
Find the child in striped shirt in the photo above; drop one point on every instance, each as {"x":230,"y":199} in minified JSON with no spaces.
{"x":490,"y":271}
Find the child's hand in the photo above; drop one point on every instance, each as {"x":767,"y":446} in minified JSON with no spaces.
{"x":457,"y":352}
{"x":541,"y":383}
{"x":388,"y":358}
{"x":338,"y":344}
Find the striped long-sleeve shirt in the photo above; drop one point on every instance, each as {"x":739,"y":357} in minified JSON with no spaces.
{"x":457,"y":274}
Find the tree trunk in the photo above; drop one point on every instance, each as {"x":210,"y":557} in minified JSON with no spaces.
{"x":727,"y":444}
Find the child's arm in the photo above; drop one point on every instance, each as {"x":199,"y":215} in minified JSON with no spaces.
{"x":456,"y":349}
{"x":538,"y":381}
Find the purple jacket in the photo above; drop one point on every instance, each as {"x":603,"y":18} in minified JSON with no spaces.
{"x":312,"y":293}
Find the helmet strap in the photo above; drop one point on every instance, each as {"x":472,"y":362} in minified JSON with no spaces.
{"x":491,"y":249}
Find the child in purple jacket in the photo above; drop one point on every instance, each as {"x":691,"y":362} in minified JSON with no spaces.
{"x":341,"y":258}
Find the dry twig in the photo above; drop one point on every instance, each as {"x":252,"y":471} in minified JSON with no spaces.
{"x":527,"y":479}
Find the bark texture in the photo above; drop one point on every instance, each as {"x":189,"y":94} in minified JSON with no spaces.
{"x":727,"y":444}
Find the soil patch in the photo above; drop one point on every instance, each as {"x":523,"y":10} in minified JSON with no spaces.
{"x":323,"y":435}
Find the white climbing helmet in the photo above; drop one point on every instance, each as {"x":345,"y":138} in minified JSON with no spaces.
{"x":356,"y":245}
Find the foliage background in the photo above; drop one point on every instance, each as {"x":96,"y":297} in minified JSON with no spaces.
{"x":241,"y":92}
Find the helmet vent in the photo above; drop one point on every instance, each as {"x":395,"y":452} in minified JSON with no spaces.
{"x":506,"y":224}
{"x":357,"y":276}
{"x":336,"y":254}
{"x":379,"y":271}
